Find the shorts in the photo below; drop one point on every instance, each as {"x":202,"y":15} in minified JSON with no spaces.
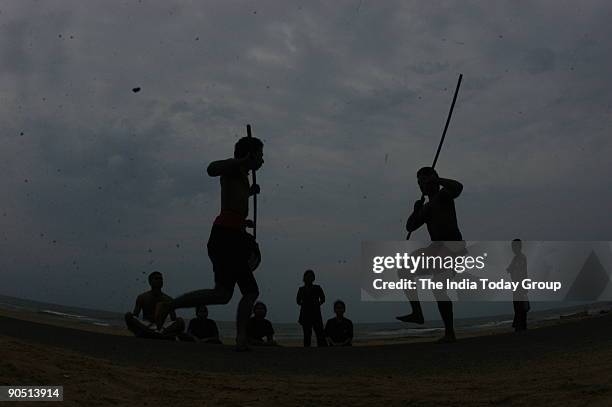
{"x":229,"y":250}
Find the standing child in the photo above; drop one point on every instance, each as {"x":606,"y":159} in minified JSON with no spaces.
{"x":518,"y":272}
{"x":310,"y":297}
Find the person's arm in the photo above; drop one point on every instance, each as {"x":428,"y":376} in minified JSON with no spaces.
{"x":216,"y":331}
{"x":251,"y":338}
{"x":223,"y":167}
{"x":270,"y":336}
{"x":190,"y":331}
{"x":327,"y":337}
{"x":350,"y":338}
{"x":450,"y":188}
{"x":417,"y":218}
{"x":172,"y":315}
{"x":523,"y":266}
{"x":213,"y":335}
{"x":321,"y":296}
{"x":328,"y":334}
{"x":511,"y":266}
{"x":233,"y":165}
{"x":298,"y":299}
{"x":137,"y":307}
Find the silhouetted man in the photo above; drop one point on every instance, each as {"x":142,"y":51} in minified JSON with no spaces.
{"x":518,"y":272}
{"x":441,"y":219}
{"x":310,"y":297}
{"x":147,"y":303}
{"x":233,"y":252}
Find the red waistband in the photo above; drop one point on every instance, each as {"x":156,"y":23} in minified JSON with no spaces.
{"x":230,"y":220}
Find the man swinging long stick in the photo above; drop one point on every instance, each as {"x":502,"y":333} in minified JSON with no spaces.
{"x":233,"y":251}
{"x":440,"y":217}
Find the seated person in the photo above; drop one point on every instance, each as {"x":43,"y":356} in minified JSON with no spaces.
{"x":259,"y":329}
{"x":147,"y":303}
{"x":339,"y":330}
{"x":203,"y":329}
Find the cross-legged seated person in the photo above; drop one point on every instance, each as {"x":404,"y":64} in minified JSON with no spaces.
{"x":147,"y":303}
{"x":259,"y":329}
{"x":339,"y":330}
{"x":202,"y":328}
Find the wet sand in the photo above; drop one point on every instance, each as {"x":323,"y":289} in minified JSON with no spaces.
{"x":567,"y":364}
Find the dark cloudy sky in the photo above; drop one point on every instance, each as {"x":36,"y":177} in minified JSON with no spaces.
{"x":102,"y":185}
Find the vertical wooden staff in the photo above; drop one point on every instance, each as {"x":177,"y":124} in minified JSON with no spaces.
{"x":450,"y":113}
{"x":254,"y":174}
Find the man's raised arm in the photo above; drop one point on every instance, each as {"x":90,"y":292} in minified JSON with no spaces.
{"x":450,"y":187}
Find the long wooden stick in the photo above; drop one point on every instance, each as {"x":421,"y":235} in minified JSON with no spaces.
{"x":448,"y":118}
{"x":254,"y":173}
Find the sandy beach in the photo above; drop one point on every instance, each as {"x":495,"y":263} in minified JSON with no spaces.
{"x":566,"y":364}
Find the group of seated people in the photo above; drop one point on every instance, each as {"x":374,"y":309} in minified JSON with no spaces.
{"x":338,"y":331}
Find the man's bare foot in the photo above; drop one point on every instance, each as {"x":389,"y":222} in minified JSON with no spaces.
{"x":161,"y":313}
{"x":449,"y":338}
{"x":412,"y":318}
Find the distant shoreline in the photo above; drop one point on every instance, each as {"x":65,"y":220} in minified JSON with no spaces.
{"x":290,"y":334}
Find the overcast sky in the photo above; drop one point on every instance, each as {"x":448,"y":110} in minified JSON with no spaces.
{"x":102,"y":185}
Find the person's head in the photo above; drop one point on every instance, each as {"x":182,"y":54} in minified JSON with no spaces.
{"x":156,"y":280}
{"x":339,"y":308}
{"x":427,"y":178}
{"x":517,"y":246}
{"x":202,"y":311}
{"x":260,"y":310}
{"x":309,"y":277}
{"x":250,"y":145}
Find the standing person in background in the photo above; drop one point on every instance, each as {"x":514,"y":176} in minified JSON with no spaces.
{"x":518,"y":272}
{"x":310,"y":297}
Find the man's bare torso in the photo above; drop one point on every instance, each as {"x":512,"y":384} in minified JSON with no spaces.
{"x":235,"y":189}
{"x":148,"y":302}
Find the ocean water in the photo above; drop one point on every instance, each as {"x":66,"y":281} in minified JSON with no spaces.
{"x":293,"y":331}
